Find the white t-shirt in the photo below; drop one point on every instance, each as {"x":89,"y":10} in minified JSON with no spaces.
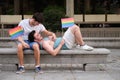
{"x":27,"y":28}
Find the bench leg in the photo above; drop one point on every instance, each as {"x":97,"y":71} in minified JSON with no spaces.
{"x":17,"y":66}
{"x":84,"y":65}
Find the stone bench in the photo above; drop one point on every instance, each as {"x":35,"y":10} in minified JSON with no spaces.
{"x":74,"y":56}
{"x":97,"y":42}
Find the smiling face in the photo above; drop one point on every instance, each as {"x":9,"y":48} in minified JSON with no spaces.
{"x":34,"y":36}
{"x":37,"y":36}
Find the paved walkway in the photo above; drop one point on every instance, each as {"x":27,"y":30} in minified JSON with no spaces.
{"x":57,"y":75}
{"x":112,"y":72}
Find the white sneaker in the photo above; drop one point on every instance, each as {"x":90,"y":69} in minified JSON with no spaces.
{"x":85,"y":47}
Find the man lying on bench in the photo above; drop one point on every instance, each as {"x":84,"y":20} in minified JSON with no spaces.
{"x":71,"y":36}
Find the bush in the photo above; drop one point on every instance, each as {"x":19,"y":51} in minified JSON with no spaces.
{"x":52,"y":17}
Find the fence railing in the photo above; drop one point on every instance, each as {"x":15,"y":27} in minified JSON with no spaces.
{"x":86,"y":32}
{"x":100,"y":32}
{"x":79,"y":19}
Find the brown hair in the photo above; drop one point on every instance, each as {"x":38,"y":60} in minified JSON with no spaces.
{"x":31,"y":36}
{"x":38,"y":17}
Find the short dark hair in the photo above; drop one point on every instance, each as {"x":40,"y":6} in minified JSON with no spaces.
{"x":38,"y":17}
{"x":31,"y":36}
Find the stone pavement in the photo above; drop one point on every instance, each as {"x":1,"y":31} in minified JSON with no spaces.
{"x":113,"y":68}
{"x":111,"y":71}
{"x":57,"y":75}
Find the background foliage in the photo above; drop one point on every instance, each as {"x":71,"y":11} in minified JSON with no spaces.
{"x":52,"y":17}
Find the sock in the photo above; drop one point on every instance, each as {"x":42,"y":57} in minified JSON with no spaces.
{"x":37,"y":66}
{"x":21,"y":66}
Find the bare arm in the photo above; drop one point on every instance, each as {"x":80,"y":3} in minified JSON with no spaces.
{"x":50,"y":48}
{"x":25,"y":45}
{"x":48,"y":33}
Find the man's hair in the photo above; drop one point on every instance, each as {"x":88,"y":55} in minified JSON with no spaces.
{"x":38,"y":17}
{"x":31,"y":36}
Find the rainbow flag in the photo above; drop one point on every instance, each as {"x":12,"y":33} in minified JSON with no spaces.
{"x":67,"y":22}
{"x":16,"y":32}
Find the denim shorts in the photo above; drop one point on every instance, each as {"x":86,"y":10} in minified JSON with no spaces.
{"x":29,"y":43}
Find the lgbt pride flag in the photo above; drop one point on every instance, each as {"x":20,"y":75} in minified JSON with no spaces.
{"x":16,"y":32}
{"x":67,"y":22}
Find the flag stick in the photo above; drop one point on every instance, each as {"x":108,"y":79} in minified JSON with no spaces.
{"x":62,"y":31}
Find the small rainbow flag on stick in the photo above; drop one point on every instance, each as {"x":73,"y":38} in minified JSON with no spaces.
{"x":67,"y":22}
{"x":16,"y":32}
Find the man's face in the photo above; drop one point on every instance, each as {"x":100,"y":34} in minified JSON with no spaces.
{"x":35,"y":23}
{"x":37,"y":36}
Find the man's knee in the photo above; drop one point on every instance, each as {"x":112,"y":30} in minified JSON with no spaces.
{"x":20,"y":46}
{"x":74,"y":28}
{"x":35,"y":46}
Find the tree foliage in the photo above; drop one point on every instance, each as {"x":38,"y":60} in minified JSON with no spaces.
{"x":52,"y":16}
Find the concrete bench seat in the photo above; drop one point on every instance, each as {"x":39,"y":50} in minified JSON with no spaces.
{"x":74,"y":56}
{"x":97,"y":42}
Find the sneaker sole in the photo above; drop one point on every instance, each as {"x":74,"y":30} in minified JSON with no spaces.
{"x":20,"y":72}
{"x":88,"y":49}
{"x":85,"y":49}
{"x":40,"y":72}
